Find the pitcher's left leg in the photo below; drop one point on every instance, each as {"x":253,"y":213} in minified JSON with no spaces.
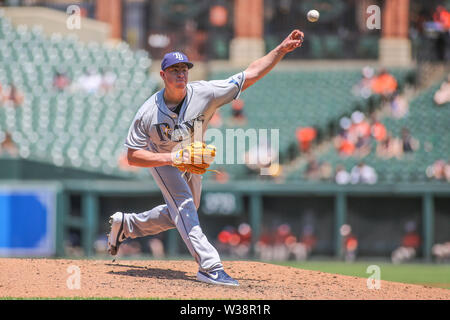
{"x":182,"y":207}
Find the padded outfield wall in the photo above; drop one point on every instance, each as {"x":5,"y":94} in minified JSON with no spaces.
{"x":376,"y":213}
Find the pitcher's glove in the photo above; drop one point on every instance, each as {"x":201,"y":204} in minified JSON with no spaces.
{"x":194,"y":158}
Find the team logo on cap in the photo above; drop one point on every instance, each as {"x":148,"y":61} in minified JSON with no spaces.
{"x":178,"y":56}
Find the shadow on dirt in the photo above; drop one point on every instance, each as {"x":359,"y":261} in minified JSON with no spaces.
{"x":147,"y":272}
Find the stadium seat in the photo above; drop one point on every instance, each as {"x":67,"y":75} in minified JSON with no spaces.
{"x":426,"y":123}
{"x":58,"y":126}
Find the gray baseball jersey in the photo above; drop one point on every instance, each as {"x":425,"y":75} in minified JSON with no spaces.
{"x":158,"y":129}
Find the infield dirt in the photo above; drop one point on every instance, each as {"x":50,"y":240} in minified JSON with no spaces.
{"x":51,"y":278}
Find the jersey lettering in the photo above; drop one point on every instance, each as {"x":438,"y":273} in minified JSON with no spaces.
{"x":154,"y":128}
{"x":163,"y":130}
{"x":179,"y":132}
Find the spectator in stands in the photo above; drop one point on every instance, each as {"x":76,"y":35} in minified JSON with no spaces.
{"x":280,"y":243}
{"x":439,"y":170}
{"x":283,"y":241}
{"x":441,"y":251}
{"x":7,"y":145}
{"x":409,"y":143}
{"x":437,"y":31}
{"x":263,"y":246}
{"x":226,"y":239}
{"x":299,"y":250}
{"x":447,"y":171}
{"x":156,"y":246}
{"x":12,"y":95}
{"x":359,"y":132}
{"x":101,"y":244}
{"x":384,"y":84}
{"x":291,"y":153}
{"x":378,"y":130}
{"x":363,"y":88}
{"x":90,"y":81}
{"x":235,"y":242}
{"x":442,"y":17}
{"x":262,"y":156}
{"x":326,"y":171}
{"x":242,"y":249}
{"x":349,"y":243}
{"x":72,"y":246}
{"x":410,"y":244}
{"x":436,"y":170}
{"x":442,"y":96}
{"x":237,"y":112}
{"x":312,"y":171}
{"x":60,"y":81}
{"x":305,"y":137}
{"x":390,"y":147}
{"x":364,"y":174}
{"x":411,"y":238}
{"x":108,"y":80}
{"x":399,"y":106}
{"x":130,"y":248}
{"x":360,"y":126}
{"x":346,"y":147}
{"x":318,"y":171}
{"x":308,"y":238}
{"x":222,"y":176}
{"x":342,"y":176}
{"x":344,"y":142}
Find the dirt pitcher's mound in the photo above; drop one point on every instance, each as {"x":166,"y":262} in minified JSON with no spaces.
{"x":177,"y":280}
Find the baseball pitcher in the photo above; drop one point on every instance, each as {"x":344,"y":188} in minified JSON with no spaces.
{"x":164,"y":138}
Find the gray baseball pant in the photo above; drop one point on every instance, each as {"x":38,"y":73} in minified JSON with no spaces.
{"x":182,"y":197}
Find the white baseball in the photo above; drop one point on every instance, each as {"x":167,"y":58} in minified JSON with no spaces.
{"x":313,"y":15}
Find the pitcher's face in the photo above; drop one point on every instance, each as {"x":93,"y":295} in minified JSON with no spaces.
{"x":175,"y":76}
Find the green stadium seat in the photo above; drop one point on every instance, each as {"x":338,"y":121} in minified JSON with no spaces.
{"x":426,"y":124}
{"x":58,"y":127}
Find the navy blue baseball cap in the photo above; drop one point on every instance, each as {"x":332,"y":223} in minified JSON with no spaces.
{"x":175,"y":57}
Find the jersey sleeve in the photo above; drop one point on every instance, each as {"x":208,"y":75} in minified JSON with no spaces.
{"x":224,"y":91}
{"x":137,"y":134}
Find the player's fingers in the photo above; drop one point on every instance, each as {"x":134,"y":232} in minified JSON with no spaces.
{"x":296,"y":34}
{"x":186,"y":157}
{"x":294,"y":43}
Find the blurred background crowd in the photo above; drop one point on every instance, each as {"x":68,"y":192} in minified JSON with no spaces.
{"x":360,"y":107}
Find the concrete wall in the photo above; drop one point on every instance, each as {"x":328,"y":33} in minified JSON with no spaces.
{"x":53,"y":21}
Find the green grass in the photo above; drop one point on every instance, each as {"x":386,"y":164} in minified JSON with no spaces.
{"x":423,"y":274}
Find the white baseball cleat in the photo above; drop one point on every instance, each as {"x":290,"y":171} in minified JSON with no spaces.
{"x":116,"y":236}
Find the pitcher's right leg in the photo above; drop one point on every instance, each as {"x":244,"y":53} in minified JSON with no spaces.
{"x":148,"y":222}
{"x":132,"y":225}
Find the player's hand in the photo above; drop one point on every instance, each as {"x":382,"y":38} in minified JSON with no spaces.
{"x":180,"y":157}
{"x":195,"y":158}
{"x":292,"y":41}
